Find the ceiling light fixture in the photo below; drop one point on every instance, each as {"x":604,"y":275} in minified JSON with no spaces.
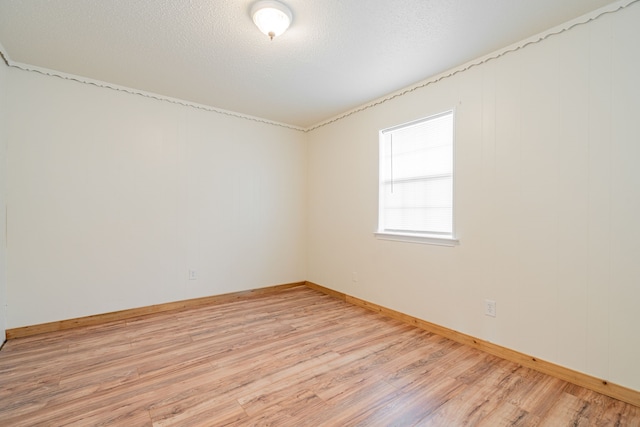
{"x":271,"y":17}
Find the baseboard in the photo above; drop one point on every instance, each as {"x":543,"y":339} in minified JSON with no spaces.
{"x":335,"y":294}
{"x":574,"y":377}
{"x":115,"y":316}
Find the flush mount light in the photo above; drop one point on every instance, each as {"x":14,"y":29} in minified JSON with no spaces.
{"x":271,"y":17}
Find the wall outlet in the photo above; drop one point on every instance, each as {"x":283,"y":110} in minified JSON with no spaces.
{"x":193,"y":274}
{"x":489,"y":308}
{"x":354,"y":276}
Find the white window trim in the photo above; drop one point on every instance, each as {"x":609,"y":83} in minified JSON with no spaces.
{"x":424,"y":238}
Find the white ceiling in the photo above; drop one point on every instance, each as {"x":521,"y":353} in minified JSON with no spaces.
{"x":337,"y":55}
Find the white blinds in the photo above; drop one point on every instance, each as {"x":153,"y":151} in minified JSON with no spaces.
{"x":416,"y":177}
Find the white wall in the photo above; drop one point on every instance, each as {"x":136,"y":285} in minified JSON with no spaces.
{"x":3,"y":197}
{"x":113,"y":197}
{"x":547,"y":199}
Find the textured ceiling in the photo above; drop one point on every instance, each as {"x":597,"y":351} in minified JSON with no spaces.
{"x":337,"y":55}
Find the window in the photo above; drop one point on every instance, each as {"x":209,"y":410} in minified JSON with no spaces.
{"x":416,"y":181}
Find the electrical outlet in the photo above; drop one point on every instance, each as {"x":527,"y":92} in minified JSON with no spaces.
{"x":354,"y":276}
{"x":489,"y":308}
{"x":193,"y":274}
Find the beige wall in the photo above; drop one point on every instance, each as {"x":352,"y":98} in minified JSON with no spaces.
{"x":113,"y":197}
{"x":547,"y":203}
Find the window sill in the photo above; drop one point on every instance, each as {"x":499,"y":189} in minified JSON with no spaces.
{"x":424,"y":239}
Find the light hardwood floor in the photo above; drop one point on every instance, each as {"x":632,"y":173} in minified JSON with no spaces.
{"x":293,"y":358}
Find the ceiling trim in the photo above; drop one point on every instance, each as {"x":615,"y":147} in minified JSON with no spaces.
{"x":132,"y":91}
{"x":3,"y":56}
{"x":584,"y":19}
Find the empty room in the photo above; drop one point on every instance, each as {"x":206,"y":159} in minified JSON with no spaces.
{"x":319,"y":213}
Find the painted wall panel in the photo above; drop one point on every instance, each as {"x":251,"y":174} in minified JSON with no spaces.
{"x":505,"y":225}
{"x":599,"y":236}
{"x":487,"y":214}
{"x":625,"y":199}
{"x":3,"y":197}
{"x":469,"y":219}
{"x":539,"y":175}
{"x":548,"y":198}
{"x":572,"y":208}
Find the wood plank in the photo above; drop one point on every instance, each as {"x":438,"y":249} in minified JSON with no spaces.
{"x":294,"y":357}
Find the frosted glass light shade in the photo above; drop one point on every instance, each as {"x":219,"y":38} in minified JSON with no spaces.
{"x":271,"y":17}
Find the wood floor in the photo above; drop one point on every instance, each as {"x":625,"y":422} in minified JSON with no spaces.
{"x":294,"y":358}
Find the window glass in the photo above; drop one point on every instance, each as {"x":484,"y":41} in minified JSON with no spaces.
{"x":416,"y":178}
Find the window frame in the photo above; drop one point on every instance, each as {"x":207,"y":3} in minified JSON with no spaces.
{"x":433,"y":238}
